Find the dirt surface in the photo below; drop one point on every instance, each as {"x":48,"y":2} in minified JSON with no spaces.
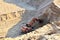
{"x":27,"y":16}
{"x":49,"y":31}
{"x":7,"y":18}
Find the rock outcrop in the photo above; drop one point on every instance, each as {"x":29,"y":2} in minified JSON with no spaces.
{"x":34,"y":35}
{"x":50,"y":31}
{"x":10,"y":15}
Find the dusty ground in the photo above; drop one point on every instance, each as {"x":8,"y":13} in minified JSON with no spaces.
{"x":44,"y":33}
{"x":6,"y":17}
{"x":15,"y":31}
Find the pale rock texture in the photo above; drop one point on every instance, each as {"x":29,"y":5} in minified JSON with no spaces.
{"x":55,"y":36}
{"x":35,"y":35}
{"x":10,"y":15}
{"x":46,"y":32}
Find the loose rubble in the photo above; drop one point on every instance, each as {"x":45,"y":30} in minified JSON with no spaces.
{"x":53,"y":36}
{"x":34,"y":35}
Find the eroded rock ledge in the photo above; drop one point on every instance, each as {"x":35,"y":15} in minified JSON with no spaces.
{"x":34,"y":35}
{"x":10,"y":15}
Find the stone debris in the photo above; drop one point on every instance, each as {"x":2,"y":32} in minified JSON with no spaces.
{"x":34,"y":35}
{"x":53,"y":36}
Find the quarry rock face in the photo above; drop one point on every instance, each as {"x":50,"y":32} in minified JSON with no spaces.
{"x":10,"y":15}
{"x":49,"y":31}
{"x":54,"y":12}
{"x":52,"y":37}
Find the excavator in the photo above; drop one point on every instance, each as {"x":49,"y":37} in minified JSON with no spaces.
{"x":29,"y":27}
